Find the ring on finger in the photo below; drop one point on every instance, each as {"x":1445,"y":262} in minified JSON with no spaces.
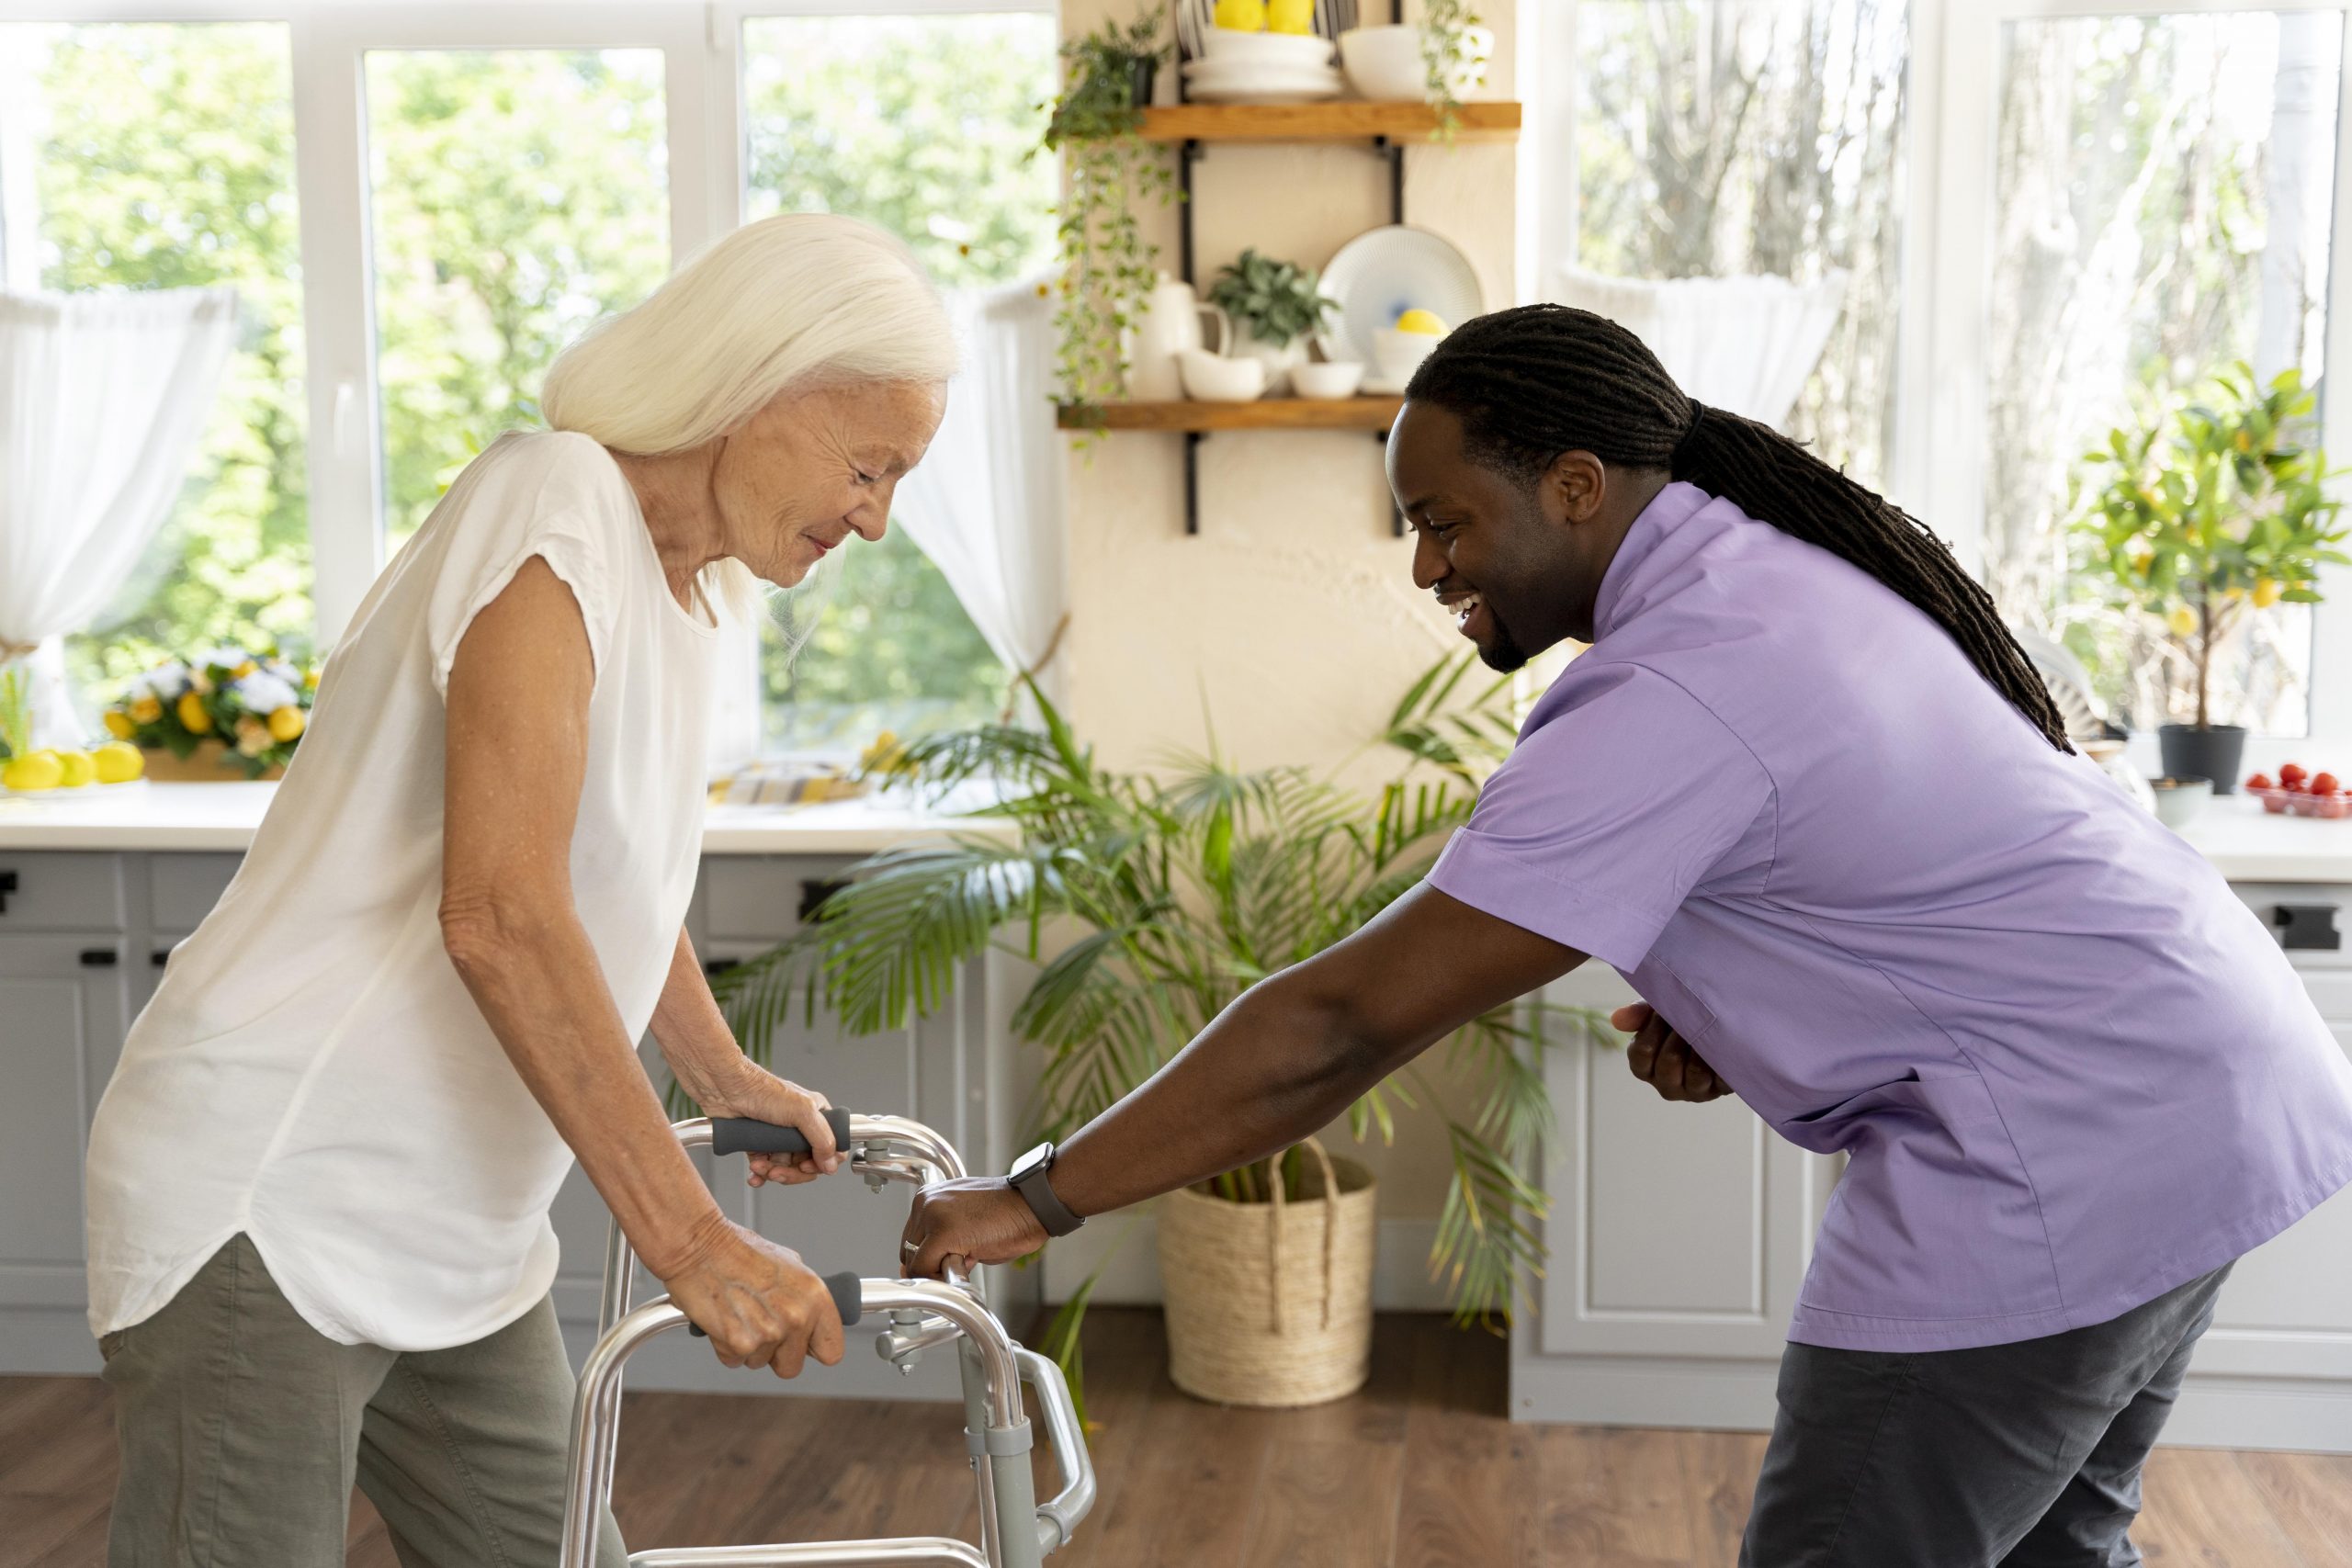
{"x":909,"y":1248}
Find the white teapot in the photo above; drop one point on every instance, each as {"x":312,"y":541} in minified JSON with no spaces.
{"x":1170,"y":326}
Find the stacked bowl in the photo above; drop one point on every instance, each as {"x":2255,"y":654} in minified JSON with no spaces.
{"x":1261,"y":68}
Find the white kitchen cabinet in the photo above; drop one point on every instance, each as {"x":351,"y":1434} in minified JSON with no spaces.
{"x":84,"y":935}
{"x":1678,"y":1235}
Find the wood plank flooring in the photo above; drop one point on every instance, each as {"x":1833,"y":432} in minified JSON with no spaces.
{"x":1418,"y":1471}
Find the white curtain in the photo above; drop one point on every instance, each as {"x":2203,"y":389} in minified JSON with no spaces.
{"x":1742,"y":344}
{"x":102,"y":400}
{"x":986,"y":502}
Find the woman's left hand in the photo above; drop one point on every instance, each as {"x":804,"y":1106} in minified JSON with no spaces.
{"x":763,"y":1097}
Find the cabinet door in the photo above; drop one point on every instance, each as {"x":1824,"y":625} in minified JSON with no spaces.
{"x":61,"y":1029}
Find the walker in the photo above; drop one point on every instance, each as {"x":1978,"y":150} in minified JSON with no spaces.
{"x":1016,"y":1530}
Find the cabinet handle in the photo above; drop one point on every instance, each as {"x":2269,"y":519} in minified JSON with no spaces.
{"x":7,"y":886}
{"x":100,"y":958}
{"x":161,"y":956}
{"x":715,"y":967}
{"x":814,"y":891}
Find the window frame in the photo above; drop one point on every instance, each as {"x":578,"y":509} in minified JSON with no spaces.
{"x":1942,"y":372}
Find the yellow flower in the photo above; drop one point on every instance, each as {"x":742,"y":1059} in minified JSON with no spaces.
{"x":252,"y":736}
{"x":242,"y":670}
{"x":285,"y":723}
{"x":118,"y":723}
{"x":192,"y":718}
{"x":2267,"y":591}
{"x":146,"y":710}
{"x":199,"y":681}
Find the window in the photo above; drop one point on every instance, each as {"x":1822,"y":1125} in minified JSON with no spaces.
{"x":1719,"y":137}
{"x":2161,"y":208}
{"x":162,"y":156}
{"x":925,"y":125}
{"x":517,"y":194}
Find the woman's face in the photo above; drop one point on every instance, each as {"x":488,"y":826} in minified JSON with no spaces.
{"x":813,"y":467}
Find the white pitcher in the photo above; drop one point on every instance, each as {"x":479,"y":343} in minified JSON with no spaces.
{"x":1170,"y":325}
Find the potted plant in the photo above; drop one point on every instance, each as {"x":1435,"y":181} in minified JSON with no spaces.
{"x":1108,"y":267}
{"x":2213,"y":512}
{"x":225,"y":713}
{"x":1454,"y":49}
{"x":1275,"y":307}
{"x":1175,"y":894}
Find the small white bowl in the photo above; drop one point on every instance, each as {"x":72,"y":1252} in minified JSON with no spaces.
{"x":2179,"y":800}
{"x":1385,"y":64}
{"x":1213,"y":378}
{"x":1332,"y":380}
{"x":1398,"y":354}
{"x":1266,"y":49}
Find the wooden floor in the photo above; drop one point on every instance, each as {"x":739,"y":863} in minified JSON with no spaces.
{"x":1418,"y":1471}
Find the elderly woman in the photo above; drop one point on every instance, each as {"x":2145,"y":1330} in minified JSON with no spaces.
{"x":318,"y":1180}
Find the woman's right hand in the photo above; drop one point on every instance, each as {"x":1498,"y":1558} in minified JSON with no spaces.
{"x":760,"y":1304}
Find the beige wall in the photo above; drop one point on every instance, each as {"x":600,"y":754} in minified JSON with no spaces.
{"x":1291,"y":620}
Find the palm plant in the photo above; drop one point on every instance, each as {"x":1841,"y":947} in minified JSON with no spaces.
{"x":1151,"y":902}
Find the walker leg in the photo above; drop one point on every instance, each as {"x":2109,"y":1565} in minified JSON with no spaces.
{"x":976,"y":1426}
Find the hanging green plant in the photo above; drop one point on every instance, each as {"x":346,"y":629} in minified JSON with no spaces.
{"x":1108,"y":267}
{"x":1453,"y":53}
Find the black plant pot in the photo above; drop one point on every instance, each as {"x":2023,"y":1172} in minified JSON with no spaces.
{"x":1140,"y":74}
{"x":2213,"y":754}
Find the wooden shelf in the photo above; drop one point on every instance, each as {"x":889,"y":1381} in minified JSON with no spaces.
{"x":1266,"y":414}
{"x":1325,"y":122}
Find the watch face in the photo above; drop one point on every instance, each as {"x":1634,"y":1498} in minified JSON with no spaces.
{"x":1031,"y":1161}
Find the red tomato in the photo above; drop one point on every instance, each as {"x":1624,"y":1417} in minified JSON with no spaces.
{"x":2292,"y":773}
{"x":2324,"y":783}
{"x":2260,"y":781}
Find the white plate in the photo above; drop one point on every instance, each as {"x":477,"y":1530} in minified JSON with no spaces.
{"x":1257,"y":92}
{"x":1217,"y":73}
{"x":1383,"y":273}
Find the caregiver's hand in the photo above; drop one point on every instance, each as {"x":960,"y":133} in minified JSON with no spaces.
{"x":977,"y":1219}
{"x":756,"y":1093}
{"x":1663,"y":1059}
{"x":758,"y":1302}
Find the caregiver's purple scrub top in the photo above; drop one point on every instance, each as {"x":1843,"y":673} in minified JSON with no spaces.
{"x":2073,"y":1070}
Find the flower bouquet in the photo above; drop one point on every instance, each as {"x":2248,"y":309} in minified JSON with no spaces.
{"x":244,"y":712}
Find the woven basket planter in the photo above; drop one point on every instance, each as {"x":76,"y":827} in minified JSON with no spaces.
{"x":1271,"y":1304}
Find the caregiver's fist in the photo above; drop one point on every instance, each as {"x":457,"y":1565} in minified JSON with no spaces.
{"x":1663,"y":1059}
{"x":758,"y":1302}
{"x":973,"y":1220}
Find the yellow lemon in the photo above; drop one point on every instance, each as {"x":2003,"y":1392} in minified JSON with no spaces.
{"x":118,"y":723}
{"x":242,"y":670}
{"x":2267,"y":591}
{"x":1241,"y":16}
{"x":146,"y":710}
{"x":311,"y":678}
{"x":36,"y":770}
{"x":118,"y":762}
{"x":193,"y":717}
{"x":2183,"y":621}
{"x":1427,"y":323}
{"x":1290,"y":16}
{"x":77,"y":768}
{"x":285,"y":723}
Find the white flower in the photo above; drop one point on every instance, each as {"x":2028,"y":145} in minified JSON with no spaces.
{"x":264,"y":692}
{"x":164,"y":682}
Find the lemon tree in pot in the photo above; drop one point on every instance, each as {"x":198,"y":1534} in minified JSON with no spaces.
{"x":2204,"y":516}
{"x":1150,"y":903}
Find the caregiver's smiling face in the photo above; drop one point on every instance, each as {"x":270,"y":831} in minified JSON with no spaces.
{"x":1516,"y":560}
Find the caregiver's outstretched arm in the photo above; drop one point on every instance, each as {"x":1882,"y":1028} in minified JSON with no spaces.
{"x":1288,"y":1056}
{"x":517,"y":724}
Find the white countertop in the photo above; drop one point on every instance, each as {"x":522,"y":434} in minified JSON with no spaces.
{"x":2243,"y":841}
{"x":153,"y":816}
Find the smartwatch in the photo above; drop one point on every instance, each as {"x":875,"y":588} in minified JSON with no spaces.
{"x":1027,"y":1177}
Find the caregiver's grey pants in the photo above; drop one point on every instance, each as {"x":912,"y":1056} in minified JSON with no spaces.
{"x":2020,"y":1456}
{"x":243,"y":1428}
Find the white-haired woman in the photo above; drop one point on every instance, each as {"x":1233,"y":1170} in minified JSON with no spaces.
{"x":318,"y":1180}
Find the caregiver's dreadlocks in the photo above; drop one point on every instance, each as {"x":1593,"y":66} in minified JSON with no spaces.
{"x":1532,"y":383}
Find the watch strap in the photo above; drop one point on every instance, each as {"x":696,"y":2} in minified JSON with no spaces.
{"x":1038,"y":1192}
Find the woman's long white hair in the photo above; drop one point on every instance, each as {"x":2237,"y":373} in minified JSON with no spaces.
{"x":794,"y":301}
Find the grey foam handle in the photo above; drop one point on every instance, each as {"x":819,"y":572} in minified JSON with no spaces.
{"x":849,"y":1299}
{"x":741,"y":1135}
